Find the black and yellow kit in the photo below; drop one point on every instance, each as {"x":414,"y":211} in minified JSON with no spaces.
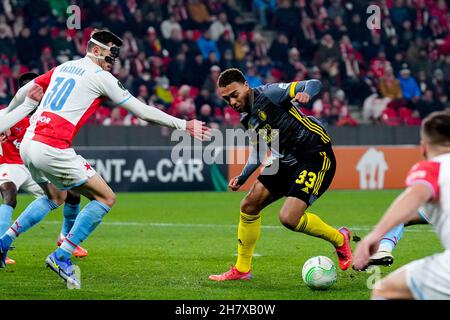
{"x":304,"y":154}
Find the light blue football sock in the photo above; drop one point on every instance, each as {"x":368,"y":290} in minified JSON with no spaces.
{"x":70,"y":214}
{"x":422,"y":216}
{"x":35,"y":212}
{"x":6,"y":213}
{"x":390,"y":239}
{"x":86,"y":222}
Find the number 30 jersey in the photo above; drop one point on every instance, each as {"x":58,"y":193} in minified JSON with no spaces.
{"x":73,"y":92}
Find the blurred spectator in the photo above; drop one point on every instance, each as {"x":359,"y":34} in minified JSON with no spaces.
{"x":286,"y":18}
{"x":168,"y":25}
{"x":225,"y":43}
{"x":163,"y":95}
{"x":278,"y":51}
{"x":183,"y":106}
{"x":26,"y":50}
{"x":293,"y":65}
{"x":389,"y":85}
{"x":219,"y":26}
{"x":328,"y":54}
{"x":252,"y":77}
{"x":199,"y":14}
{"x":210,"y":84}
{"x":173,"y":44}
{"x":196,"y":71}
{"x":373,"y":107}
{"x":207,"y":45}
{"x":306,"y":38}
{"x":116,"y":118}
{"x":264,"y":10}
{"x":241,"y":48}
{"x":399,"y":13}
{"x":47,"y":60}
{"x":427,"y":104}
{"x":6,"y":41}
{"x":206,"y":115}
{"x":176,"y":72}
{"x":203,"y":98}
{"x":409,"y":86}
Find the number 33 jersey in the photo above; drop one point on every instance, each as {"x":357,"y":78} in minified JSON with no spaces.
{"x":73,"y":92}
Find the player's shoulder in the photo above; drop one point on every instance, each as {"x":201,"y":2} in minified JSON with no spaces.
{"x":275,"y":87}
{"x":429,"y":166}
{"x":427,"y":170}
{"x":275,"y":92}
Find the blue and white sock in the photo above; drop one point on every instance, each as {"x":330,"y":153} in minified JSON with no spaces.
{"x":70,"y":214}
{"x":86,"y":222}
{"x":390,"y":239}
{"x":35,"y":212}
{"x":6,"y":213}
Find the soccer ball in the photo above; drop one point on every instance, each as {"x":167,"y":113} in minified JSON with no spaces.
{"x":319,"y":273}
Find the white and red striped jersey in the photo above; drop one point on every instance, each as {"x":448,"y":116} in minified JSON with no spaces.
{"x":435,"y":174}
{"x":73,"y":92}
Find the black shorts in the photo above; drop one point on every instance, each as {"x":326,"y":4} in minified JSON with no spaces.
{"x":307,"y":180}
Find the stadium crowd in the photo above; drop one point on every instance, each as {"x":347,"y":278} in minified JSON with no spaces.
{"x":174,"y":51}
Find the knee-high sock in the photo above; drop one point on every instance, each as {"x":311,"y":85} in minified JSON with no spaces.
{"x":35,"y":212}
{"x":249,"y":230}
{"x":70,"y":214}
{"x":391,"y":238}
{"x":85,"y":223}
{"x":6,"y":213}
{"x":312,"y":225}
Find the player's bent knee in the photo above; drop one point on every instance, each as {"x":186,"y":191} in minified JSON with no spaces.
{"x":287,"y":221}
{"x":249,"y":206}
{"x":110,"y":200}
{"x":8,"y":192}
{"x":72,"y":197}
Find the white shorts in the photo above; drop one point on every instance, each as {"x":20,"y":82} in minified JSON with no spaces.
{"x":62,"y":167}
{"x":21,"y":177}
{"x":429,"y":278}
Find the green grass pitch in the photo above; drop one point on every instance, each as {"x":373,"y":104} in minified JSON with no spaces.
{"x":164,"y":246}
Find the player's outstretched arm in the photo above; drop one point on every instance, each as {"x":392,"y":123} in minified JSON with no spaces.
{"x":109,"y":86}
{"x":403,"y":209}
{"x":195,"y":128}
{"x":32,"y":99}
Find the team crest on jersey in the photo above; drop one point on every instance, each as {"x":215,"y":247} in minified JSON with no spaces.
{"x":120,"y":85}
{"x":262,"y":115}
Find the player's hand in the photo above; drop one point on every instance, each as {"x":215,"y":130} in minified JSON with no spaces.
{"x":35,"y":93}
{"x":4,"y":135}
{"x":302,"y":97}
{"x":198,"y":130}
{"x":367,"y":247}
{"x":234,"y":184}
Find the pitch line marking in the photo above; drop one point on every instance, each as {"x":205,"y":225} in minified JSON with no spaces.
{"x":200,"y":225}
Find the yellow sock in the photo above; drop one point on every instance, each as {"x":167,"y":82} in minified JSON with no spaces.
{"x":312,"y":225}
{"x":249,"y":230}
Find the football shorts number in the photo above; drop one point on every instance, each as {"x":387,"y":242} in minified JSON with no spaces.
{"x":307,"y":178}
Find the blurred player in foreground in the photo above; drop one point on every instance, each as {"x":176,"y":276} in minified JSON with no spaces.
{"x":428,"y":189}
{"x":305,"y":160}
